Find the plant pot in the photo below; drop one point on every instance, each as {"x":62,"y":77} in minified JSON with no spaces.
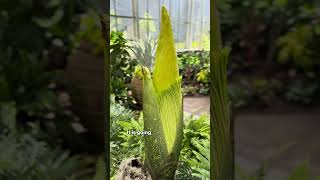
{"x":85,"y":72}
{"x":136,"y":88}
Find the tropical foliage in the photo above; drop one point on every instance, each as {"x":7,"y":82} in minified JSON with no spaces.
{"x":194,"y":157}
{"x":40,"y":134}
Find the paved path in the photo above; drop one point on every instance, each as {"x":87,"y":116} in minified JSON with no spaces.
{"x":288,"y":138}
{"x":196,"y":105}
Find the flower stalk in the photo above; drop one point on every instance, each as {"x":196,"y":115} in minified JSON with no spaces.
{"x":162,"y":107}
{"x":221,"y":137}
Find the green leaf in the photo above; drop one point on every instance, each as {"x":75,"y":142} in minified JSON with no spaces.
{"x":170,"y":104}
{"x":281,"y":3}
{"x":4,"y":89}
{"x":8,"y":113}
{"x":48,"y":22}
{"x":221,"y":157}
{"x":222,"y":165}
{"x":155,"y":145}
{"x":100,"y":170}
{"x":302,"y":172}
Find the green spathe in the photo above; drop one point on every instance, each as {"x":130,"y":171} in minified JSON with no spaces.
{"x":162,"y":107}
{"x":166,"y":69}
{"x":221,"y":136}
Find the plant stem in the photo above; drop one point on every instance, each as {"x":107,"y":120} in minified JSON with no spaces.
{"x":215,"y":37}
{"x":106,"y":36}
{"x":221,"y":138}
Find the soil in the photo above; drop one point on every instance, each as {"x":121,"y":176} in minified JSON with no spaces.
{"x":132,"y":169}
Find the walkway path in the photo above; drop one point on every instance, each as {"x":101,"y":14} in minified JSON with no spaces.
{"x":196,"y":105}
{"x":289,"y":138}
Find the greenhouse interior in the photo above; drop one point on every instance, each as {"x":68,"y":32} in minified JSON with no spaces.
{"x":139,"y":19}
{"x":155,"y":117}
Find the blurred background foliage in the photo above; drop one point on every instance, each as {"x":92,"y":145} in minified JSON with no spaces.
{"x":45,"y":29}
{"x":277,"y":41}
{"x":40,"y":134}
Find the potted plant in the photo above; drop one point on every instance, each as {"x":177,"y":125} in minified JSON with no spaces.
{"x":143,"y":51}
